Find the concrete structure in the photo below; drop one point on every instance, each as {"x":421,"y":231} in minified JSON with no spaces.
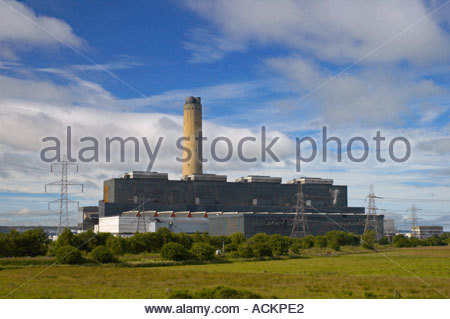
{"x":281,"y":223}
{"x":150,"y":221}
{"x":271,"y":202}
{"x":214,"y":193}
{"x":389,"y":227}
{"x":192,"y":128}
{"x":427,"y":231}
{"x":89,"y":217}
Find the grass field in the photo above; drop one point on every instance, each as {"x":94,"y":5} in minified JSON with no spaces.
{"x":399,"y":273}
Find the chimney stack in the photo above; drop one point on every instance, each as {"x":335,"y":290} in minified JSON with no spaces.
{"x":192,"y":126}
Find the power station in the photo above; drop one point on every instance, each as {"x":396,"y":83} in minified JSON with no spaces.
{"x":250,"y":204}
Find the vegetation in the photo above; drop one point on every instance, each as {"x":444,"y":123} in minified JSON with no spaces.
{"x":356,"y":273}
{"x":102,"y":254}
{"x":203,"y":252}
{"x":68,"y":255}
{"x":174,"y":251}
{"x":219,"y":292}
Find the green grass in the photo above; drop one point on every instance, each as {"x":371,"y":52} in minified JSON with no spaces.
{"x":351,"y":274}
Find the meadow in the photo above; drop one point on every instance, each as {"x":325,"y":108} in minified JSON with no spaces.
{"x":422,"y":272}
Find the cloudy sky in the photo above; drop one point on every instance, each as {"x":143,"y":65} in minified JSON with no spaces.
{"x":124,"y":68}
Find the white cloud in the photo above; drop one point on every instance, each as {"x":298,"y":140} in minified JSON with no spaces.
{"x":207,"y":47}
{"x":370,"y":95}
{"x":338,"y":31}
{"x":21,"y":28}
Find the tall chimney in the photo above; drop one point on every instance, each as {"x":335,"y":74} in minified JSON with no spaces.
{"x":192,"y":126}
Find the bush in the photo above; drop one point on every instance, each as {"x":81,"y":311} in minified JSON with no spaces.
{"x":184,"y":240}
{"x":262,"y":249}
{"x":102,"y":255}
{"x":279,"y":244}
{"x":137,"y":244}
{"x":295,"y":247}
{"x":237,"y":238}
{"x":342,"y":238}
{"x":117,"y":245}
{"x":202,"y":251}
{"x":245,"y":251}
{"x":334,"y":244}
{"x":68,"y":255}
{"x":221,"y":292}
{"x":174,"y":251}
{"x":65,"y":238}
{"x":320,"y":241}
{"x":85,"y":241}
{"x":307,"y":242}
{"x":181,"y":294}
{"x":368,"y":240}
{"x":383,"y":241}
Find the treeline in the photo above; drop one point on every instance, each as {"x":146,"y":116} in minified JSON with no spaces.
{"x":104,"y":247}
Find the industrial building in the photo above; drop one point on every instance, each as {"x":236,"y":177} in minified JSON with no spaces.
{"x":422,"y":232}
{"x":250,"y":204}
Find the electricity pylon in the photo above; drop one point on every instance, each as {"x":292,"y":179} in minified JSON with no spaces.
{"x":300,"y":218}
{"x":371,"y":219}
{"x":64,"y":184}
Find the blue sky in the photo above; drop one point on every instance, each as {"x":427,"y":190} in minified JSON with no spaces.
{"x":123,"y":69}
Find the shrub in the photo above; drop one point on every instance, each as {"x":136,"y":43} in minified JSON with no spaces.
{"x":68,"y":255}
{"x":181,"y":294}
{"x":137,"y":244}
{"x":342,"y":238}
{"x":102,"y":255}
{"x":30,"y":243}
{"x":334,"y":244}
{"x":368,"y":239}
{"x":295,"y":247}
{"x":85,"y":241}
{"x":202,"y":251}
{"x":65,"y":238}
{"x":184,"y":240}
{"x":262,"y":249}
{"x":221,"y":292}
{"x":174,"y":251}
{"x":116,"y":245}
{"x":279,"y":244}
{"x":237,"y":238}
{"x":320,"y":241}
{"x":384,"y":241}
{"x":101,"y":238}
{"x":307,"y":242}
{"x":245,"y":251}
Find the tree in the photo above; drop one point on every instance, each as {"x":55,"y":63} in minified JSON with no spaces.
{"x":165,"y":234}
{"x":184,"y":240}
{"x":237,"y":238}
{"x":368,"y":239}
{"x":102,"y":255}
{"x":174,"y":251}
{"x":202,"y":251}
{"x":85,"y":241}
{"x":384,"y":241}
{"x":245,"y":251}
{"x":117,"y":245}
{"x":136,"y":244}
{"x":68,"y":255}
{"x":65,"y":238}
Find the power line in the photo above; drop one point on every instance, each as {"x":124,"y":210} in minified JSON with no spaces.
{"x":64,"y":184}
{"x":371,"y":218}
